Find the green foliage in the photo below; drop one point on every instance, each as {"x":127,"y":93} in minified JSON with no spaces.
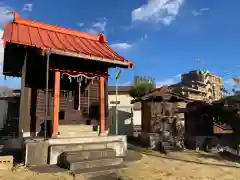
{"x":141,"y":86}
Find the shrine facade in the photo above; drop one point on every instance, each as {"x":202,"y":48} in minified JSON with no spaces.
{"x":64,"y":74}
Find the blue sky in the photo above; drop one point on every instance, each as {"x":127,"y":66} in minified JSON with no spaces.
{"x":162,"y":37}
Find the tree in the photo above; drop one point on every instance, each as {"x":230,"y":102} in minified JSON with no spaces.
{"x":141,"y":86}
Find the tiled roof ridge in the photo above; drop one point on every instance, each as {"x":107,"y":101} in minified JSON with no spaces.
{"x":60,"y":29}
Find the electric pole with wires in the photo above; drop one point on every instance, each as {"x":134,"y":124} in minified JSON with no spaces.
{"x":117,"y":78}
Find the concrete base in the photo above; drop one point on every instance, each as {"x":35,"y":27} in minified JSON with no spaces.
{"x":57,"y":146}
{"x":36,"y":152}
{"x":52,"y":148}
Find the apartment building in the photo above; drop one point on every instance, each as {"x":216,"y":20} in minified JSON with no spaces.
{"x":199,"y":85}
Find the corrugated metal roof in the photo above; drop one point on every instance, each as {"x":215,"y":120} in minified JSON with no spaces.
{"x":51,"y":37}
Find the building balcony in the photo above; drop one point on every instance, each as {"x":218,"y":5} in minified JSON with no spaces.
{"x":196,"y":90}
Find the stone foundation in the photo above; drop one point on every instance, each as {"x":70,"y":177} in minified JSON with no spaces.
{"x":150,"y":139}
{"x":54,"y":147}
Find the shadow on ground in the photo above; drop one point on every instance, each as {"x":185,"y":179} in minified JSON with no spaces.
{"x":47,"y":169}
{"x":135,"y":142}
{"x":149,"y":152}
{"x":222,"y":156}
{"x":132,"y":156}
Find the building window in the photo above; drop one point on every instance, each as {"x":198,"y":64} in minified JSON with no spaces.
{"x":114,"y":102}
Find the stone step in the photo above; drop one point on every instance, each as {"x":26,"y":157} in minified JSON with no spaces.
{"x":79,"y":128}
{"x":166,"y":144}
{"x":78,"y":134}
{"x":87,"y":164}
{"x":170,"y":146}
{"x":77,"y":131}
{"x":98,"y":173}
{"x":87,"y":154}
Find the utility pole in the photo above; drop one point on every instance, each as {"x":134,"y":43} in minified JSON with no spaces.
{"x":117,"y":78}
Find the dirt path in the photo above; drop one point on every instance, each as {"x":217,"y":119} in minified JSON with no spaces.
{"x":187,"y":165}
{"x":182,"y":166}
{"x":24,"y":174}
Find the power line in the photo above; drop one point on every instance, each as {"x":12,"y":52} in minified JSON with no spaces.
{"x":224,"y":74}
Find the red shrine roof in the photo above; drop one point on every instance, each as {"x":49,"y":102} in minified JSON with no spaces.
{"x":61,"y":40}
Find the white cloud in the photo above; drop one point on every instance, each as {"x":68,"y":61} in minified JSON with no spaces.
{"x":80,"y":24}
{"x":27,"y":7}
{"x":199,"y":12}
{"x":164,"y":11}
{"x":99,"y":26}
{"x":170,"y":81}
{"x":119,"y":46}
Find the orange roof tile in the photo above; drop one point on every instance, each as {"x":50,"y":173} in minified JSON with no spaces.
{"x":60,"y":39}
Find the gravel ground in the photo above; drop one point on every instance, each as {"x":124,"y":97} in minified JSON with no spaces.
{"x":186,"y":165}
{"x":182,"y":166}
{"x":30,"y":175}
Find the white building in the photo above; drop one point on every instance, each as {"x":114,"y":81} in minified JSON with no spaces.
{"x":129,"y":115}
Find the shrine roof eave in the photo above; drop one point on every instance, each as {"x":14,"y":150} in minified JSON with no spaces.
{"x":62,"y":41}
{"x":111,"y":62}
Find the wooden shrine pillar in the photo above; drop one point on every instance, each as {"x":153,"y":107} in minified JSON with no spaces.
{"x":102,"y":104}
{"x":56,"y":103}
